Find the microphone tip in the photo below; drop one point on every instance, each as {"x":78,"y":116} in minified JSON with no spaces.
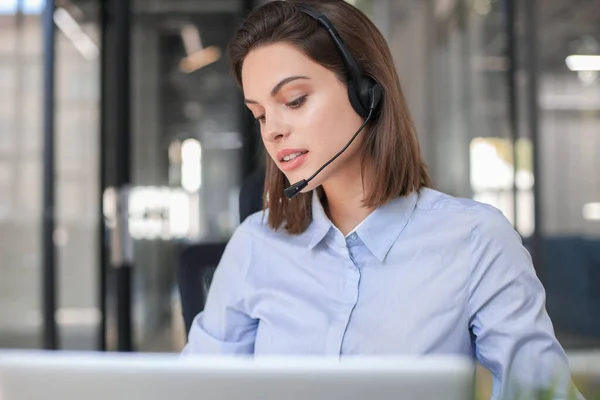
{"x":293,"y":190}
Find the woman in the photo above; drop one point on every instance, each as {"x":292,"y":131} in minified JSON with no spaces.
{"x":366,"y":259}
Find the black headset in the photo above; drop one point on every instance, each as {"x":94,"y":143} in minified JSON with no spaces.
{"x":363,"y":90}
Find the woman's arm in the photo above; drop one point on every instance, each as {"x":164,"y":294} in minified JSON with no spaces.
{"x":514,"y":336}
{"x":224,"y":327}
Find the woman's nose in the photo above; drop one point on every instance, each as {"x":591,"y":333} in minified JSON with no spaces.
{"x":275,"y":129}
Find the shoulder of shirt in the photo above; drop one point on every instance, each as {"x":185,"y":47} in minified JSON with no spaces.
{"x":433,"y":200}
{"x":256,"y":225}
{"x":480,"y":217}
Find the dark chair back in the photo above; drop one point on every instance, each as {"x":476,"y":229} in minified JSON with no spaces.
{"x":251,"y":194}
{"x":197,"y":264}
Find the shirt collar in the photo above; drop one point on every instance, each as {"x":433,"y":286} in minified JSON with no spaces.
{"x":379,"y":231}
{"x":320,"y":222}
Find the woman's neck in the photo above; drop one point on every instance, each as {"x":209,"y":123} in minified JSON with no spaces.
{"x":344,"y":201}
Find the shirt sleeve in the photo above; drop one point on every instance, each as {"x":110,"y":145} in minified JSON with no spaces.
{"x":514,"y":337}
{"x":224,"y":327}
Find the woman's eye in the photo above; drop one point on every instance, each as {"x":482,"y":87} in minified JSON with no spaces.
{"x":296,"y":103}
{"x":292,"y":104}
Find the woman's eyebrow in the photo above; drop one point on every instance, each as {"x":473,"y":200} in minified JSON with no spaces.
{"x":280,"y":85}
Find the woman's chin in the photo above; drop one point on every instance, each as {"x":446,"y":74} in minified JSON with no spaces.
{"x":292,"y":179}
{"x":297,"y":176}
{"x":312,"y":185}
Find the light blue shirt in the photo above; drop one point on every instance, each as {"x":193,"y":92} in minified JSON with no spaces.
{"x":424,"y":274}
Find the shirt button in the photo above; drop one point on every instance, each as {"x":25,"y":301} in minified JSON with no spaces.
{"x":353,"y":236}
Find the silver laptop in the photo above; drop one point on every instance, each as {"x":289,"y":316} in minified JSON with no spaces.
{"x":103,"y":376}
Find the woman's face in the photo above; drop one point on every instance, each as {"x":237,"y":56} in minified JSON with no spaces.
{"x":303,"y":110}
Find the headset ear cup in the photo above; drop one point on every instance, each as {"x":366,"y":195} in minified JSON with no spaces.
{"x":366,"y":86}
{"x":361,"y":97}
{"x":375,"y":94}
{"x":355,"y":96}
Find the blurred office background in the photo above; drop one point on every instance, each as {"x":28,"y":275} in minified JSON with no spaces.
{"x":505,"y":94}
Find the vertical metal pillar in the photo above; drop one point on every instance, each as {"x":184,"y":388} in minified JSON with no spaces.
{"x":50,"y":331}
{"x":122,"y":259}
{"x":117,"y":159}
{"x":531,"y":41}
{"x":513,"y":113}
{"x":102,"y":229}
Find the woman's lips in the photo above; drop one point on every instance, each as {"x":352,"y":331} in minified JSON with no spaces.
{"x":294,"y":163}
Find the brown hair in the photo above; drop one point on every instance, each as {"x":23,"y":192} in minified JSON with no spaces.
{"x":390,"y":142}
